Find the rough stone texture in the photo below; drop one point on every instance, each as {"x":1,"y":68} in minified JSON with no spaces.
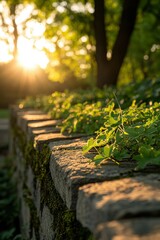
{"x":46,"y":228}
{"x":125,"y":198}
{"x":20,"y":171}
{"x":16,"y":112}
{"x":37,"y":197}
{"x":109,"y":204}
{"x":25,"y":119}
{"x":20,"y":178}
{"x":30,"y":180}
{"x":25,"y":219}
{"x":34,"y":187}
{"x":45,"y":130}
{"x":42,"y":127}
{"x":43,"y":124}
{"x":43,"y":139}
{"x":129,"y":229}
{"x":70,"y":169}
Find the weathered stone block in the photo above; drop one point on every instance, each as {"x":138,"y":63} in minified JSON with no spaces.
{"x":25,"y":219}
{"x":30,"y":180}
{"x":43,"y":139}
{"x":113,"y":200}
{"x":46,"y":225}
{"x":43,"y":124}
{"x":70,"y":169}
{"x":45,"y":130}
{"x":37,"y":197}
{"x":42,"y":127}
{"x":25,"y":119}
{"x":110,"y":205}
{"x":129,"y":229}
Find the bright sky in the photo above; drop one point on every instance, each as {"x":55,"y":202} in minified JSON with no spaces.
{"x":30,"y":42}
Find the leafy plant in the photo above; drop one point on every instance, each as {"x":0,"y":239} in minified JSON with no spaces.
{"x":125,"y":120}
{"x":131,"y":134}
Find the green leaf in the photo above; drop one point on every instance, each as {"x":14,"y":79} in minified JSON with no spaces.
{"x":107,"y":151}
{"x":134,"y":132}
{"x":90,"y":144}
{"x":98,"y":159}
{"x":120,"y":155}
{"x":147,"y":155}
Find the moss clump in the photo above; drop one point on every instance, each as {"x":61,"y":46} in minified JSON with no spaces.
{"x":18,"y":140}
{"x":38,"y":160}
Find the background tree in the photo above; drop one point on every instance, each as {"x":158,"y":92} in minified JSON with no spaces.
{"x":69,"y":26}
{"x":143,"y":57}
{"x":90,"y":41}
{"x":108,"y":68}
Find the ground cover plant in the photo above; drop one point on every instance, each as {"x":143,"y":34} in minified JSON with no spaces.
{"x":132,"y":134}
{"x":125,"y":121}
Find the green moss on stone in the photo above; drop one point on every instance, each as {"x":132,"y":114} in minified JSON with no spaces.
{"x":34,"y":220}
{"x":19,"y":138}
{"x":38,"y":160}
{"x":65,"y":224}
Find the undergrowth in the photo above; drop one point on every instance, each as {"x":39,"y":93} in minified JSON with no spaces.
{"x":125,"y":121}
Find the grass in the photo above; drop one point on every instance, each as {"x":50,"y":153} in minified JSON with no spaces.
{"x":4,"y":113}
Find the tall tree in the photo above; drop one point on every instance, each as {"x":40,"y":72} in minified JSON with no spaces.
{"x":108,"y":69}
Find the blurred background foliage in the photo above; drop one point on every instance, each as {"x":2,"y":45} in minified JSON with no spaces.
{"x":71,"y":47}
{"x":72,"y":27}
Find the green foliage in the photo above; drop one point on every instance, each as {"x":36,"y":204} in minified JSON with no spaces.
{"x":131,"y":134}
{"x":73,"y":55}
{"x":74,"y":58}
{"x":71,"y":43}
{"x":125,"y":120}
{"x":59,"y":104}
{"x":143,"y":55}
{"x":84,"y":118}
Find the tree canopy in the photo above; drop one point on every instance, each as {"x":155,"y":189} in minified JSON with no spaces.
{"x":97,"y":42}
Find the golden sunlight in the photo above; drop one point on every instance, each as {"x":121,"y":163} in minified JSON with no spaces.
{"x":30,"y":57}
{"x":30,"y":40}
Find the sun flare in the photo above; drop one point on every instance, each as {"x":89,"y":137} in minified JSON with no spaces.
{"x":27,"y":61}
{"x":30,"y":42}
{"x":30,"y":57}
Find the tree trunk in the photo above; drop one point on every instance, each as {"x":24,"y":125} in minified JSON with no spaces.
{"x":108,"y":70}
{"x":101,"y":41}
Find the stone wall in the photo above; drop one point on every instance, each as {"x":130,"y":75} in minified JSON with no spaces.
{"x":63,"y":195}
